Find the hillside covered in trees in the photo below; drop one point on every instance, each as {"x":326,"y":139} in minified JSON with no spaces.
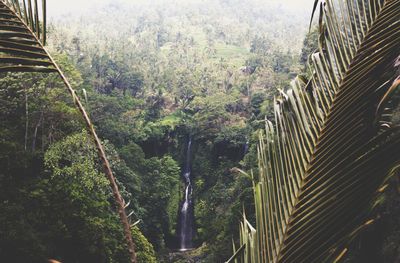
{"x":178,"y":92}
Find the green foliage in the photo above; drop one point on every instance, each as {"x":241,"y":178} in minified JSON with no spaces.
{"x":159,"y":191}
{"x":220,"y":193}
{"x":68,"y":201}
{"x":310,"y":45}
{"x":74,"y":175}
{"x":206,"y":78}
{"x":145,"y":250}
{"x":70,"y":216}
{"x":164,"y":74}
{"x":73,"y":159}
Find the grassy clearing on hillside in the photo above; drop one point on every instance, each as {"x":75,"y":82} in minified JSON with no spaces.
{"x":233,"y":56}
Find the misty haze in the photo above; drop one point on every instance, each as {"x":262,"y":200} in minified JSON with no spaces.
{"x":199,"y":131}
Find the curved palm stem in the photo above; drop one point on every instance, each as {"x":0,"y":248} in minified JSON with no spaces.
{"x":106,"y":165}
{"x":25,"y":42}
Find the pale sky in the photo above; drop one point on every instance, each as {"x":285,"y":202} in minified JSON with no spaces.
{"x":62,"y":7}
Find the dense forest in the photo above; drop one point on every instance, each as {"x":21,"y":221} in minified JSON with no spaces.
{"x":178,"y":92}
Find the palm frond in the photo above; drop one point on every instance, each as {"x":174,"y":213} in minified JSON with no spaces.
{"x":323,"y":160}
{"x":22,"y":36}
{"x":22,"y":40}
{"x":247,"y":252}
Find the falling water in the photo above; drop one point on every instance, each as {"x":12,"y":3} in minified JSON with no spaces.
{"x":246,"y":148}
{"x":186,"y":210}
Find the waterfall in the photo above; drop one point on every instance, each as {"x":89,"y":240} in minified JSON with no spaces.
{"x":186,"y":210}
{"x":246,"y":148}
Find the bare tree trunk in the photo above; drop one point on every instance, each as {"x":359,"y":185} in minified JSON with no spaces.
{"x":36,"y":131}
{"x":50,"y":137}
{"x":42,"y":141}
{"x":26,"y":119}
{"x":248,"y":88}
